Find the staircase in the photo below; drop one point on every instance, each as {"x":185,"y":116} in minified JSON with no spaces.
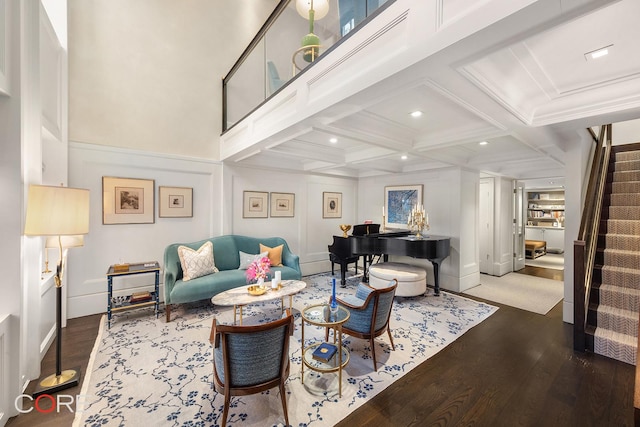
{"x":612,"y":318}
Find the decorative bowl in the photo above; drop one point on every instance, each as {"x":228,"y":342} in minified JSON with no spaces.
{"x":257,"y":289}
{"x":345,"y":228}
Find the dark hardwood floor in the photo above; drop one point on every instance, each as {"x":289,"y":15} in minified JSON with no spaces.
{"x":514,"y":369}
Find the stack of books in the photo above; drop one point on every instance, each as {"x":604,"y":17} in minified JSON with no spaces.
{"x":140,"y":297}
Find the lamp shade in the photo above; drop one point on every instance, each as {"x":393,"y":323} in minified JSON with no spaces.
{"x":57,"y":211}
{"x":320,"y":8}
{"x":67,"y":241}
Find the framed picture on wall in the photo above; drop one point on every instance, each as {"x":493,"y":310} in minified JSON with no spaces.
{"x":175,"y":202}
{"x":398,"y":201}
{"x":127,"y":200}
{"x":331,"y":205}
{"x":282,"y":204}
{"x":255,"y":204}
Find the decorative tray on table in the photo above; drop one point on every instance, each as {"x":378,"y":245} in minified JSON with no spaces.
{"x":257,"y":289}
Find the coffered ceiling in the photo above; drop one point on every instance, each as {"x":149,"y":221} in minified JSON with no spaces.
{"x":528,"y":97}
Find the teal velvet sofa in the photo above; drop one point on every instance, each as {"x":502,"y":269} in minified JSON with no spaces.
{"x":227,"y":260}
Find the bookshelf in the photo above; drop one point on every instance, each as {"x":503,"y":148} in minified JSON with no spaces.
{"x":545,"y":218}
{"x":545,"y":208}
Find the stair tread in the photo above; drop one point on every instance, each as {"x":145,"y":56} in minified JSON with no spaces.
{"x":619,"y":251}
{"x":620,"y":312}
{"x":627,"y":270}
{"x":611,"y":335}
{"x":605,"y":287}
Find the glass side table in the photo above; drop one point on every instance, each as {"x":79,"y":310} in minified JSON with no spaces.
{"x":320,"y":315}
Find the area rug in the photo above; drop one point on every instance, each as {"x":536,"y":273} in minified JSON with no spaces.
{"x":146,"y":371}
{"x":522,"y":291}
{"x":549,"y":260}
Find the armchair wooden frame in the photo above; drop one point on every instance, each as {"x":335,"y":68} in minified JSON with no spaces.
{"x":220,"y":336}
{"x":373,"y":332}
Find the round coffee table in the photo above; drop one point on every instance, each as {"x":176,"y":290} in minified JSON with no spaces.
{"x":240,"y":296}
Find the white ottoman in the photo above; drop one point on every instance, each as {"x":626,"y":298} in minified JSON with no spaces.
{"x":412,"y":280}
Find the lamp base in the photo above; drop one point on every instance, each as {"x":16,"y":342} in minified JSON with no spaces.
{"x":55,"y":383}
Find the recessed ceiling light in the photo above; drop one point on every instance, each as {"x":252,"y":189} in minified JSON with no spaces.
{"x":404,"y":157}
{"x":416,"y":113}
{"x":483,"y":143}
{"x":598,"y":53}
{"x":333,"y":140}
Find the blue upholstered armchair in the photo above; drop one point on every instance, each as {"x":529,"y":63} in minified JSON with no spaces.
{"x":370,"y":310}
{"x":251,"y":359}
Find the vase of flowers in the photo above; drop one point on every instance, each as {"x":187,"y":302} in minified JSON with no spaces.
{"x":258,"y":270}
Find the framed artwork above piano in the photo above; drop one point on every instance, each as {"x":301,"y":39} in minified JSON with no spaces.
{"x":398,"y":201}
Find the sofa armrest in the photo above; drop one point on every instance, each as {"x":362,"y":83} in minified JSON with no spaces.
{"x":172,"y":271}
{"x":291,"y":260}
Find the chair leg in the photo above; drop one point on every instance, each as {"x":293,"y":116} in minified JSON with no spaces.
{"x":391,"y":339}
{"x":284,"y":404}
{"x":225,"y":411}
{"x":332,"y":268}
{"x":373,"y":353}
{"x":167,"y":310}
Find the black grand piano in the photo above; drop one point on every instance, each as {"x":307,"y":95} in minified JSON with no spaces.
{"x":367,"y":244}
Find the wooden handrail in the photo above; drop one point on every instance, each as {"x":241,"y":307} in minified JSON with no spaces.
{"x":586,"y":245}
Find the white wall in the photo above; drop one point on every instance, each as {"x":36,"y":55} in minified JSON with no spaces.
{"x":109,"y":244}
{"x":217,"y":209}
{"x":451,"y":199}
{"x":576,"y":177}
{"x":24,"y":294}
{"x":148,"y":74}
{"x":11,"y":214}
{"x":307,"y":233}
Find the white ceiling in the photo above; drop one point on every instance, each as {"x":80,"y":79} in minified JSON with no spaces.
{"x":527,"y":98}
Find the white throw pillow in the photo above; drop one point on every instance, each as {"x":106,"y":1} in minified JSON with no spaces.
{"x":246,"y":259}
{"x":196,"y":263}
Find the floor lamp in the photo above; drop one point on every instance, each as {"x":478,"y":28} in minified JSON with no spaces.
{"x":61,"y":214}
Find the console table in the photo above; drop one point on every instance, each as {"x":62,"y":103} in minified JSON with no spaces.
{"x":125,"y":303}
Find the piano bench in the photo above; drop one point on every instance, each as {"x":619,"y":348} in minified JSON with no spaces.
{"x":412,"y":280}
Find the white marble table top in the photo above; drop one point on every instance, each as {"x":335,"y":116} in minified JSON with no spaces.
{"x":240,"y":295}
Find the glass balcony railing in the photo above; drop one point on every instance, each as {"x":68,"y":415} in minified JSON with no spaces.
{"x":297,"y":34}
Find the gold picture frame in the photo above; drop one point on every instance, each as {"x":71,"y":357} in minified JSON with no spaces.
{"x":128,"y":200}
{"x":331,"y":205}
{"x":255,"y":204}
{"x":175,"y":202}
{"x":282,"y":204}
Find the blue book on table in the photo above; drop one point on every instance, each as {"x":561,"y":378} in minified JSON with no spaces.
{"x":324,"y":352}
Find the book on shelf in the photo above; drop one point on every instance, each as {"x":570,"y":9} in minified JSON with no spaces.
{"x":324,"y":352}
{"x":140,"y":296}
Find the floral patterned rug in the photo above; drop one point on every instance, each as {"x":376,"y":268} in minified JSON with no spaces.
{"x":146,"y":371}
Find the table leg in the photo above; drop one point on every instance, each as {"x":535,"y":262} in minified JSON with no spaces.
{"x":240,"y":315}
{"x":157,"y":284}
{"x":290,"y":302}
{"x":234,"y":314}
{"x":340,"y":359}
{"x":302,"y":345}
{"x":109,"y":301}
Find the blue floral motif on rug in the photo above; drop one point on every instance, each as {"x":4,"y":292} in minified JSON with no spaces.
{"x":146,"y":371}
